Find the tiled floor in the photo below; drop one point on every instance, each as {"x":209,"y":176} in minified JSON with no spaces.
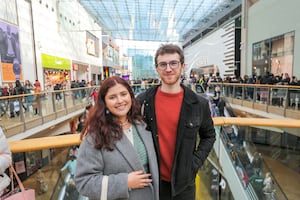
{"x":288,"y":179}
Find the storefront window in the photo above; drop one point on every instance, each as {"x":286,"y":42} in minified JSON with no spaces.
{"x":274,"y":55}
{"x":19,"y":164}
{"x":33,"y":161}
{"x":52,"y":77}
{"x":282,"y":54}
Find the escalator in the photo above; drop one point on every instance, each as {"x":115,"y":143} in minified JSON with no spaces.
{"x":234,"y":154}
{"x":232,"y":169}
{"x":237,"y":157}
{"x":65,"y":188}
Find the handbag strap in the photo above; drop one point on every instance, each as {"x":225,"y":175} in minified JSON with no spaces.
{"x":17,"y":178}
{"x":104,"y":188}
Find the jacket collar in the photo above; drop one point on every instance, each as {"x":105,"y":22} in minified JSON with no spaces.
{"x":191,"y":97}
{"x":128,"y":151}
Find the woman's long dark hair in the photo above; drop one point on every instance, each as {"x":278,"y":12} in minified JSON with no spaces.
{"x":102,"y":125}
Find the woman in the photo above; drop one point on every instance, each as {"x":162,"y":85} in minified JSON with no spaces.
{"x":5,"y":160}
{"x":117,"y":155}
{"x":28,"y":89}
{"x":268,"y":188}
{"x":37,"y":91}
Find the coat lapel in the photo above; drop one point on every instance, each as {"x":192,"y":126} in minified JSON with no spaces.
{"x":127,"y":150}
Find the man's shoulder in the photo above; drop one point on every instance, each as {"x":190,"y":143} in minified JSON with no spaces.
{"x":191,"y":95}
{"x":146,"y":94}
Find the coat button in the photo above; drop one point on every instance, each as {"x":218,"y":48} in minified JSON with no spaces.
{"x":191,"y":124}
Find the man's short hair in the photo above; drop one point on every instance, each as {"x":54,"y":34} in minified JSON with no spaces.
{"x":169,"y":49}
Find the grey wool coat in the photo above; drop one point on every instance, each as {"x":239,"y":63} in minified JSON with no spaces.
{"x":93,"y":164}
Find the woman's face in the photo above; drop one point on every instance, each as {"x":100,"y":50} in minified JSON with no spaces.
{"x":118,"y":101}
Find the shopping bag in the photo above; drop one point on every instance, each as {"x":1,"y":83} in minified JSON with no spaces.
{"x":104,"y":188}
{"x":16,"y":106}
{"x":4,"y":181}
{"x":19,"y":193}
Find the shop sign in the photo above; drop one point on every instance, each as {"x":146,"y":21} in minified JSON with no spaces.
{"x":75,"y":67}
{"x":53,"y":62}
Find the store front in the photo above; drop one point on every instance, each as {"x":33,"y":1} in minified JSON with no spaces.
{"x":56,"y":70}
{"x":96,"y":74}
{"x":27,"y":163}
{"x":80,"y":71}
{"x":274,"y":55}
{"x":108,"y":71}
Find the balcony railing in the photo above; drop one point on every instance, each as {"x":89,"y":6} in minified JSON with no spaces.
{"x":32,"y":113}
{"x":282,"y":100}
{"x":60,"y":106}
{"x":74,"y":139}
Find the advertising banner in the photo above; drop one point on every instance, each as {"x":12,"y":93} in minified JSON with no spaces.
{"x":92,"y":44}
{"x":10,"y":56}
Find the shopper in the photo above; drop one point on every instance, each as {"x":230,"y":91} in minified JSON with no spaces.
{"x":268,"y":188}
{"x":5,"y":161}
{"x":116,"y":155}
{"x":177,"y":118}
{"x":37,"y":90}
{"x":29,"y":100}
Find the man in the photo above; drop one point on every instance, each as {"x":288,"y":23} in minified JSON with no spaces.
{"x":177,"y":118}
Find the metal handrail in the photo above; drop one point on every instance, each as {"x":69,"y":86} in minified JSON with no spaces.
{"x":74,"y":139}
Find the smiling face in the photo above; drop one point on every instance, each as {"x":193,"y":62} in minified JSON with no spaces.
{"x":118,"y":101}
{"x":168,"y":75}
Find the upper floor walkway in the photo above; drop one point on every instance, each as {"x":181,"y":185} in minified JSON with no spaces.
{"x":30,"y":115}
{"x":270,"y":101}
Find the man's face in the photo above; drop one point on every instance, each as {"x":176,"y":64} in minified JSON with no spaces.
{"x":169,"y":68}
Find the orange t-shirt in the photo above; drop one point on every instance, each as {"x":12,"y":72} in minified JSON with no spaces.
{"x":167,"y":108}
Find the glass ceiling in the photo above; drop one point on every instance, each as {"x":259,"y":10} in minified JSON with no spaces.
{"x":155,"y":20}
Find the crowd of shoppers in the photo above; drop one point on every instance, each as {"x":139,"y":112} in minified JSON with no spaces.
{"x":13,"y":106}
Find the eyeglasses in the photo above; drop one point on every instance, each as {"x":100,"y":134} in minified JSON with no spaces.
{"x":174,"y":64}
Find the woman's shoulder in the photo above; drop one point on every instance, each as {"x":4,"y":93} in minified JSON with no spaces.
{"x":88,"y":139}
{"x":140,"y":124}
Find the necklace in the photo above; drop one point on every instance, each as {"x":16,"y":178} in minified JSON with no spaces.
{"x":124,"y":123}
{"x":128,"y":131}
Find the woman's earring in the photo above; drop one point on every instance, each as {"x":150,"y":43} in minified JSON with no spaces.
{"x":106,"y":111}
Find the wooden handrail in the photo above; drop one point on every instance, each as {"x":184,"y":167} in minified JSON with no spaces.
{"x":74,"y":139}
{"x":33,"y":144}
{"x":267,"y":122}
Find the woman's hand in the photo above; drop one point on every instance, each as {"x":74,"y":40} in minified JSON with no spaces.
{"x":138,"y":179}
